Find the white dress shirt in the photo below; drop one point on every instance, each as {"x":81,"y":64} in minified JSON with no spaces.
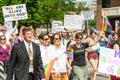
{"x":45,"y":55}
{"x":27,"y":44}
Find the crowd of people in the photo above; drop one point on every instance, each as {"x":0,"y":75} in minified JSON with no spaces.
{"x":27,"y":57}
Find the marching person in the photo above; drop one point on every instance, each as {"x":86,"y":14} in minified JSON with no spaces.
{"x":44,"y":47}
{"x":115,"y":46}
{"x":8,"y":34}
{"x":59,"y":70}
{"x":25,"y":60}
{"x":4,"y":54}
{"x":64,"y":37}
{"x":92,"y":55}
{"x":79,"y":62}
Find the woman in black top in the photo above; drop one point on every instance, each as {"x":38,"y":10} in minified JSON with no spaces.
{"x":79,"y":62}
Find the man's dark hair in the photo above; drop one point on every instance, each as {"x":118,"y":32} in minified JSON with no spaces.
{"x":26,"y":29}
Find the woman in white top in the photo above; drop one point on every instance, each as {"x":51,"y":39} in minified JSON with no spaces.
{"x":59,"y":70}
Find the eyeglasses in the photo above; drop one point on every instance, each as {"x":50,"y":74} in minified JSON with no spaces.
{"x":2,"y":39}
{"x":79,"y":38}
{"x":46,"y":39}
{"x":57,"y":38}
{"x":3,"y":30}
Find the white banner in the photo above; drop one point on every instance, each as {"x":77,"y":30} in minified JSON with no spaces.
{"x":88,"y":15}
{"x":14,"y":12}
{"x":73,"y":22}
{"x":109,"y":61}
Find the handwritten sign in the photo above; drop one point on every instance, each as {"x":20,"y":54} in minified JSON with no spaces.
{"x":73,"y":22}
{"x":88,"y":15}
{"x":56,"y":26}
{"x":14,"y":12}
{"x":109,"y":61}
{"x":9,"y":26}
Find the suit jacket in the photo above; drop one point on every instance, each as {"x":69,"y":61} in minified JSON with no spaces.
{"x":19,"y":62}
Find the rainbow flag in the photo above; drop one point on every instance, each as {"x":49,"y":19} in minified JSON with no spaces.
{"x":70,"y":52}
{"x":14,"y":37}
{"x":106,"y":26}
{"x":48,"y":68}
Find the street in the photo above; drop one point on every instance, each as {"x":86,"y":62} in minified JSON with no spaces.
{"x":102,"y":77}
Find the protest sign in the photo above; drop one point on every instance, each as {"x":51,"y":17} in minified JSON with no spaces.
{"x":14,"y":12}
{"x":109,"y":61}
{"x":58,"y":29}
{"x":79,"y":0}
{"x":56,"y":26}
{"x":88,"y":15}
{"x":73,"y":22}
{"x":9,"y":26}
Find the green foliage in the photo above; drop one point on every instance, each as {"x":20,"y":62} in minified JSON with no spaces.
{"x":44,"y":11}
{"x":91,"y":23}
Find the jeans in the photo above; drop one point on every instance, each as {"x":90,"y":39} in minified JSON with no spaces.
{"x":80,"y":73}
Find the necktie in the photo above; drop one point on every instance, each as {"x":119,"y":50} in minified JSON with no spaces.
{"x":29,"y":49}
{"x":31,"y":58}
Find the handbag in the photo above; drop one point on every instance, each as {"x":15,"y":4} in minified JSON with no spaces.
{"x":6,"y":66}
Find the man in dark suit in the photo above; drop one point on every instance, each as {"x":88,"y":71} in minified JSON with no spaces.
{"x":25,"y":60}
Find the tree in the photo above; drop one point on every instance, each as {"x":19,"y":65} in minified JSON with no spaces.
{"x":99,"y":13}
{"x":44,"y":11}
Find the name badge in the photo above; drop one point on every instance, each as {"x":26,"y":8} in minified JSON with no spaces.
{"x":57,"y":75}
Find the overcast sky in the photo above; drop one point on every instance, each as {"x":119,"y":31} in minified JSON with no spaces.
{"x":89,"y":1}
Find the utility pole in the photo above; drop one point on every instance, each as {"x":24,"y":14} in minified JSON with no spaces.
{"x":99,"y":14}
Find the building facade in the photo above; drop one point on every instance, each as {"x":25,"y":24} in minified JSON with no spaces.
{"x":112,"y":11}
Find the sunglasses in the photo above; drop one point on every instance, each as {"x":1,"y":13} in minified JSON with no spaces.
{"x":79,"y":38}
{"x":3,"y":30}
{"x":46,"y":39}
{"x":57,"y":38}
{"x":2,"y":39}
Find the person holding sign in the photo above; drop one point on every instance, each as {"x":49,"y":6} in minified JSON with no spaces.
{"x":115,"y":46}
{"x":8,"y":34}
{"x":60,"y":66}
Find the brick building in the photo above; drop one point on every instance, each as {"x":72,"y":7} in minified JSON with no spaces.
{"x":113,"y":12}
{"x":114,"y":3}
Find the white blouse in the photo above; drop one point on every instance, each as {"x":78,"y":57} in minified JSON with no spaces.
{"x":60,"y":63}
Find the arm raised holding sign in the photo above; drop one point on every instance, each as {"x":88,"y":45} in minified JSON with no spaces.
{"x":15,"y":28}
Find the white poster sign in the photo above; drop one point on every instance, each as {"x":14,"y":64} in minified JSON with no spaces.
{"x":9,"y":26}
{"x":56,"y":26}
{"x":73,"y":22}
{"x":58,"y":29}
{"x":109,"y":61}
{"x":79,"y":0}
{"x":88,"y":15}
{"x":14,"y":12}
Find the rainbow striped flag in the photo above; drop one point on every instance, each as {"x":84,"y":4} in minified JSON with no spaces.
{"x":70,"y":52}
{"x":14,"y":37}
{"x":106,"y":26}
{"x":48,"y":68}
